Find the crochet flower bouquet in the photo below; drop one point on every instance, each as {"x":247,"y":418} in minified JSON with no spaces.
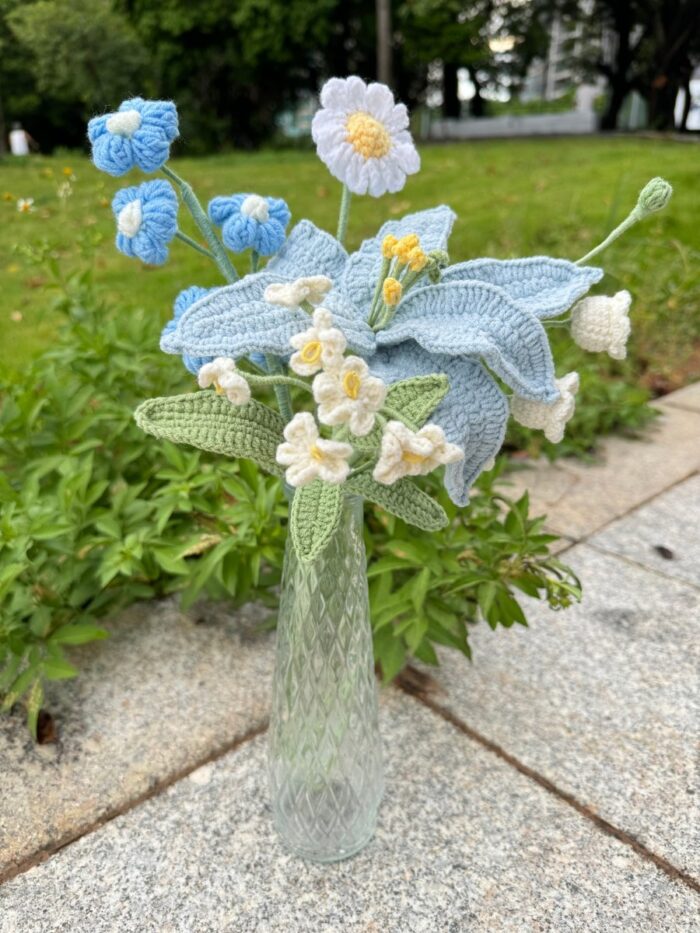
{"x":387,"y":363}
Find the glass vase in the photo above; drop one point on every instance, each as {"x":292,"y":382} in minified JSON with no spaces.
{"x":325,"y":761}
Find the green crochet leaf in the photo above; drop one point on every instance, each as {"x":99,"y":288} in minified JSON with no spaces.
{"x":210,"y":422}
{"x":414,"y":399}
{"x":314,"y":517}
{"x":404,"y":499}
{"x":417,"y":398}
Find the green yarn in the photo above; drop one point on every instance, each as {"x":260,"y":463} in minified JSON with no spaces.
{"x":210,"y":422}
{"x":411,"y":401}
{"x":314,"y":517}
{"x":404,"y":499}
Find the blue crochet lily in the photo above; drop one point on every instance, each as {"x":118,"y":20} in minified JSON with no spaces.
{"x":139,"y":134}
{"x":483,"y":315}
{"x":146,"y":218}
{"x":249,"y":221}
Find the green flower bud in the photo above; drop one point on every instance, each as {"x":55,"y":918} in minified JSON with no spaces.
{"x":438,"y":259}
{"x":654,"y":196}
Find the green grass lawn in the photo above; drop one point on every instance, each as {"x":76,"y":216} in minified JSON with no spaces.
{"x":513,"y":198}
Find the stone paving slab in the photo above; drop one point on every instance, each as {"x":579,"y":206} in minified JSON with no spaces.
{"x":601,"y":699}
{"x":465,"y":843}
{"x":580,"y":498}
{"x":663,"y":535}
{"x":156,"y":698}
{"x":688,"y":397}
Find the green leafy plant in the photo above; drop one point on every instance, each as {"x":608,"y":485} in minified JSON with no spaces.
{"x":94,"y":515}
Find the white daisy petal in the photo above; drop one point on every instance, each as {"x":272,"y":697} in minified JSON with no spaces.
{"x":361,"y":135}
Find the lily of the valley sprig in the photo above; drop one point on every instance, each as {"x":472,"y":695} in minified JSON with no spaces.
{"x":388,"y":362}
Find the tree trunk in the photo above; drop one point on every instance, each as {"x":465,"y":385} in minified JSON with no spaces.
{"x":662,"y":103}
{"x":384,"y":50}
{"x":477,"y":105}
{"x":451,"y":106}
{"x":618,"y":92}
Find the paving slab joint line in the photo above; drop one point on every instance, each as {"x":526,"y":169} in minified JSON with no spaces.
{"x":669,"y":578}
{"x":417,"y":688}
{"x":154,"y":791}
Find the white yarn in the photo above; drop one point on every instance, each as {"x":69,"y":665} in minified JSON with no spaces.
{"x":123,"y":123}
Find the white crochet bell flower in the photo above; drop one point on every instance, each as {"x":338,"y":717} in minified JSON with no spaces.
{"x":349,"y":395}
{"x":548,"y":418}
{"x":362,"y":135}
{"x":312,"y":288}
{"x":602,"y":324}
{"x":308,"y":456}
{"x":223,"y":375}
{"x":320,"y":347}
{"x":405,"y":452}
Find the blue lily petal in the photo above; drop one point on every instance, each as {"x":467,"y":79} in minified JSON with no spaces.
{"x":309,"y":251}
{"x":546,"y":287}
{"x":473,"y":414}
{"x":362,"y":270}
{"x":235,"y":321}
{"x":474,"y":319}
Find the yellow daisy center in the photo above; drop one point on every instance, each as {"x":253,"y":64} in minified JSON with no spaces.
{"x":311,"y":351}
{"x":410,"y":457}
{"x":367,"y":135}
{"x":351,"y":384}
{"x":316,"y":453}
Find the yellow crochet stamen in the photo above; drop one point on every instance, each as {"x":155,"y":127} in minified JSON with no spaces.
{"x":217,"y":388}
{"x":311,"y":351}
{"x":409,"y":457}
{"x":404,"y":246}
{"x":352,"y":384}
{"x":417,"y":260}
{"x":367,"y":136}
{"x":388,"y":245}
{"x":316,"y":453}
{"x":391,"y":292}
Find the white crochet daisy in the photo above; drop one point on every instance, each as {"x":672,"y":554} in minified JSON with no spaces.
{"x":349,"y":395}
{"x":320,"y":347}
{"x":222,"y":374}
{"x":548,"y":418}
{"x":601,"y":323}
{"x":313,"y":289}
{"x":308,"y":456}
{"x":362,"y":135}
{"x":412,"y":453}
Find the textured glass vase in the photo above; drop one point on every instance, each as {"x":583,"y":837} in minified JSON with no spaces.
{"x":325,"y":759}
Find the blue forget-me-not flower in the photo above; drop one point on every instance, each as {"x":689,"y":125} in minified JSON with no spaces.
{"x":146,"y":220}
{"x":138,"y":134}
{"x":249,"y":221}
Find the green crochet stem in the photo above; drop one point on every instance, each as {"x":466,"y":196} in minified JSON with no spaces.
{"x":628,"y":222}
{"x":344,"y":214}
{"x":254,"y":260}
{"x":193,"y":243}
{"x":200,"y":218}
{"x":376,"y":298}
{"x":284,"y":399}
{"x":256,"y":380}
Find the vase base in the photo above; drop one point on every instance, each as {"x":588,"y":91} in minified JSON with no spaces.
{"x":325,"y":858}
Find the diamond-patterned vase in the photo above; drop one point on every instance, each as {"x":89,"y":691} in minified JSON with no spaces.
{"x":324,"y":748}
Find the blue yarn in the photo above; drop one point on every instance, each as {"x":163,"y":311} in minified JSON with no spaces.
{"x":240,"y":232}
{"x":159,"y":205}
{"x":185,"y":300}
{"x":148,"y":147}
{"x":486,"y":309}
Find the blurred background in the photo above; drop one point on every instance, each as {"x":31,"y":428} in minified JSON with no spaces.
{"x":246,"y":72}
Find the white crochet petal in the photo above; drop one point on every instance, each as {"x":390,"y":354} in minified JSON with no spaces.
{"x":356,"y":98}
{"x":398,"y":120}
{"x":380,"y":101}
{"x":334,"y":93}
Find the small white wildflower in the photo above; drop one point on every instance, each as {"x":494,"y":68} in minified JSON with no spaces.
{"x":602,"y":323}
{"x":349,"y":395}
{"x":223,"y":375}
{"x":548,"y":418}
{"x":320,"y":347}
{"x":308,"y":456}
{"x":25,"y":205}
{"x":312,"y":288}
{"x":405,"y":452}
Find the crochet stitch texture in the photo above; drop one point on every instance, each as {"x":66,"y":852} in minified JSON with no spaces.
{"x":248,"y":221}
{"x":146,"y":218}
{"x":139,"y":134}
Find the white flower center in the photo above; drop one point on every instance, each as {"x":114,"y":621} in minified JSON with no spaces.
{"x":124,"y":123}
{"x":256,"y":208}
{"x":129,"y":219}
